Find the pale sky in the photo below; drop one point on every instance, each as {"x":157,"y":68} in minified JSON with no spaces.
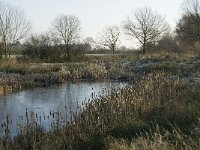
{"x":94,"y":14}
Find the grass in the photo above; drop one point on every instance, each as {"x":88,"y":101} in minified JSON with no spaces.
{"x":160,"y":111}
{"x":15,"y":76}
{"x":157,"y":140}
{"x":156,"y":112}
{"x":112,"y":64}
{"x":28,"y":68}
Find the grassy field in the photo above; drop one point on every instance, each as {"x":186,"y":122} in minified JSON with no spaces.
{"x":159,"y":111}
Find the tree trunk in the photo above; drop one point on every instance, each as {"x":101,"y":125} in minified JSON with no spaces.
{"x":144,"y":48}
{"x":1,"y":51}
{"x":113,"y":50}
{"x":67,"y":49}
{"x":144,"y":44}
{"x":6,"y":51}
{"x":5,"y":48}
{"x":68,"y":54}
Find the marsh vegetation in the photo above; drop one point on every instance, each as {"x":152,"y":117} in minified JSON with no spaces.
{"x":159,"y":108}
{"x":153,"y":103}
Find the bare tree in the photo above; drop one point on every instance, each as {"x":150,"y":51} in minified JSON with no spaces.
{"x":146,"y":26}
{"x":42,"y":47}
{"x":36,"y":42}
{"x":13,"y":26}
{"x":167,"y":43}
{"x":191,"y":7}
{"x":89,"y":40}
{"x":188,"y":26}
{"x":66,"y":28}
{"x":110,"y":37}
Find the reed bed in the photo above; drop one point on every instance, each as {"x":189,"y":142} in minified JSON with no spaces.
{"x":160,"y":111}
{"x":156,"y":141}
{"x":157,"y":112}
{"x":14,"y":77}
{"x":119,"y":67}
{"x":15,"y":82}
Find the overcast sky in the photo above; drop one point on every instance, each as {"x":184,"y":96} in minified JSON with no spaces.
{"x":94,"y":14}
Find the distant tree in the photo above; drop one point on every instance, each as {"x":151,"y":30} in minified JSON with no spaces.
{"x":13,"y":26}
{"x":187,"y":30}
{"x":188,"y":26}
{"x":42,"y":47}
{"x":16,"y":48}
{"x":89,"y":43}
{"x":66,"y":28}
{"x":146,"y":26}
{"x":167,"y":43}
{"x":191,"y":7}
{"x":35,"y":43}
{"x":88,"y":40}
{"x":78,"y":51}
{"x":110,"y":37}
{"x":123,"y":48}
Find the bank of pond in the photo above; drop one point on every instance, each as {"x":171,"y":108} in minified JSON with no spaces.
{"x":155,"y":111}
{"x":103,"y":105}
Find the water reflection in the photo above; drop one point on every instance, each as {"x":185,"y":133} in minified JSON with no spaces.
{"x":46,"y":103}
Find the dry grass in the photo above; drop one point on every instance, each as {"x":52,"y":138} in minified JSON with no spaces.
{"x":159,"y":111}
{"x":1,"y":90}
{"x":155,"y":113}
{"x":156,"y":141}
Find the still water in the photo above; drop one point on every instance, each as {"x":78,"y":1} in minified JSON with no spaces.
{"x":49,"y":106}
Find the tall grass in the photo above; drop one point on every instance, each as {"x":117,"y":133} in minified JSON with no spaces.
{"x":153,"y":141}
{"x":157,"y":112}
{"x":160,"y":111}
{"x":27,"y":68}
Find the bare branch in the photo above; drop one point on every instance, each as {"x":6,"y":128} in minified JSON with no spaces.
{"x":66,"y":28}
{"x":13,"y":25}
{"x":110,"y":37}
{"x":191,"y":7}
{"x":188,"y":27}
{"x":146,"y":26}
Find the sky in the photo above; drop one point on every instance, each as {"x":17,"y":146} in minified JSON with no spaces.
{"x":94,"y":14}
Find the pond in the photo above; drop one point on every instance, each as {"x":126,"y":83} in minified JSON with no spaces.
{"x":49,"y":107}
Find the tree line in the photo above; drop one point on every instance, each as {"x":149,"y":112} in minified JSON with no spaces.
{"x":62,"y":41}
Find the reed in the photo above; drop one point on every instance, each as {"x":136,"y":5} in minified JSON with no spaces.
{"x":157,"y":111}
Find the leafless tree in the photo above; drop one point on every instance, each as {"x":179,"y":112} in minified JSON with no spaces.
{"x":88,"y":40}
{"x":188,"y":26}
{"x":110,"y":37}
{"x":146,"y":26}
{"x":66,"y":28}
{"x":89,"y":43}
{"x":13,"y":26}
{"x":191,"y":7}
{"x":167,"y":43}
{"x":42,"y":47}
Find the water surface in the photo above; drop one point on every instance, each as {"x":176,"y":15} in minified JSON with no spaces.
{"x":48,"y":106}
